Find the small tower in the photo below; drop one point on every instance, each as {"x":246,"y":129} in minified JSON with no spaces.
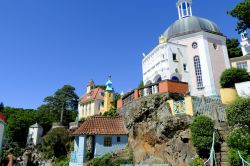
{"x":90,"y":86}
{"x":109,"y":95}
{"x":35,"y":135}
{"x":245,"y":44}
{"x":184,"y":8}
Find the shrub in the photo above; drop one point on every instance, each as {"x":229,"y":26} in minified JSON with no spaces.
{"x":238,"y":113}
{"x":239,"y":139}
{"x":202,"y":129}
{"x":233,"y":75}
{"x":197,"y":162}
{"x":108,"y":160}
{"x":234,"y":159}
{"x":112,"y":112}
{"x":56,"y":143}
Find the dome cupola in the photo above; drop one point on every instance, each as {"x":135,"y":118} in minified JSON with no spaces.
{"x":184,"y":8}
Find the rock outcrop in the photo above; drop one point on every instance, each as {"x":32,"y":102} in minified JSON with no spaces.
{"x":155,"y":135}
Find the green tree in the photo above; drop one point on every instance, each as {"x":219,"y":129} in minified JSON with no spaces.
{"x":242,"y":13}
{"x":202,"y":129}
{"x":1,"y":107}
{"x":18,"y":123}
{"x":233,"y":75}
{"x":233,"y":48}
{"x":238,"y":113}
{"x":63,"y":104}
{"x":141,"y":85}
{"x":56,"y":143}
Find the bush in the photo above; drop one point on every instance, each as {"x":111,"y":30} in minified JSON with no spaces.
{"x":197,"y":162}
{"x":108,"y":160}
{"x":56,"y":143}
{"x":202,"y":129}
{"x":239,"y":139}
{"x":238,"y":113}
{"x":233,"y":75}
{"x":111,"y":113}
{"x":234,"y":159}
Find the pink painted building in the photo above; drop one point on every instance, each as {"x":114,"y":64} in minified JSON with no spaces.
{"x":192,"y":50}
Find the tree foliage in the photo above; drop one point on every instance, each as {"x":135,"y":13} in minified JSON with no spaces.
{"x":233,"y":75}
{"x":141,"y":85}
{"x":233,"y":48}
{"x":202,"y":129}
{"x":56,"y":143}
{"x":18,"y":123}
{"x":64,"y":102}
{"x":1,"y":107}
{"x":242,"y":13}
{"x":238,"y":113}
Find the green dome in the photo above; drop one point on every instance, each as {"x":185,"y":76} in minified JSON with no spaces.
{"x":190,"y":25}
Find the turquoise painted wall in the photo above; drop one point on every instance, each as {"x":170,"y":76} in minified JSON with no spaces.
{"x":100,"y":149}
{"x":2,"y":127}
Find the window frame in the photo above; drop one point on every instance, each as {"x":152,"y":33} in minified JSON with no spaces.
{"x":198,"y":72}
{"x":174,"y":56}
{"x":118,"y":139}
{"x":107,"y":141}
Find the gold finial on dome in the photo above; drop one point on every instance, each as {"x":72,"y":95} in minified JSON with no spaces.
{"x":162,"y":39}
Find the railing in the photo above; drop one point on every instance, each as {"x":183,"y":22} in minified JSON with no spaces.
{"x":242,"y":160}
{"x":73,"y":157}
{"x":212,"y":157}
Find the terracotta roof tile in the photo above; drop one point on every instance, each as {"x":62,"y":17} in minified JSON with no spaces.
{"x":94,"y":94}
{"x":102,"y":125}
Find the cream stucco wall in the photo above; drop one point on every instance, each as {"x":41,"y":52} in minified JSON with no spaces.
{"x":234,"y":64}
{"x":91,"y":108}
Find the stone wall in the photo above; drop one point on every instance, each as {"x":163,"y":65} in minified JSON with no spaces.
{"x":155,"y":135}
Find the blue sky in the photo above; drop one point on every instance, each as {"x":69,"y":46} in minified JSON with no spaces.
{"x":45,"y":44}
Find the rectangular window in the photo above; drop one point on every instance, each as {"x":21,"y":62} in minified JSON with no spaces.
{"x":174,"y":57}
{"x":118,"y":139}
{"x":107,"y":141}
{"x":242,"y":65}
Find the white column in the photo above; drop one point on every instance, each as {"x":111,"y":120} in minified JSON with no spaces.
{"x":190,"y":8}
{"x":179,"y":12}
{"x":187,"y":13}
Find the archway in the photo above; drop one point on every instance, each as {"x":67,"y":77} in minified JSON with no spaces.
{"x":157,"y":78}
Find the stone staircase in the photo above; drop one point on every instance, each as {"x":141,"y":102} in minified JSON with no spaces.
{"x":221,"y":154}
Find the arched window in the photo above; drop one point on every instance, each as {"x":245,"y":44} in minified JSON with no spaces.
{"x":198,"y":73}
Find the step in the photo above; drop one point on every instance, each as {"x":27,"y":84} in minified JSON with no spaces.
{"x":224,"y":164}
{"x":222,"y":157}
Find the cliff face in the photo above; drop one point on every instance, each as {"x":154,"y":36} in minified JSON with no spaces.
{"x":155,"y":135}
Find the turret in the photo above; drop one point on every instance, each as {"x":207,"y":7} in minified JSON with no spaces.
{"x":184,"y":8}
{"x":109,"y":95}
{"x":90,"y":86}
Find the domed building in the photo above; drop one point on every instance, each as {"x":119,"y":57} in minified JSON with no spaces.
{"x":192,"y":49}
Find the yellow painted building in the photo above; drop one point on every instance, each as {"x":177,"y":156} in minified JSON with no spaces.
{"x":241,"y":62}
{"x":91,"y":103}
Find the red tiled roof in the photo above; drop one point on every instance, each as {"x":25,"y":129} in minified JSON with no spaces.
{"x":94,"y":94}
{"x":102,"y":125}
{"x":2,"y":118}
